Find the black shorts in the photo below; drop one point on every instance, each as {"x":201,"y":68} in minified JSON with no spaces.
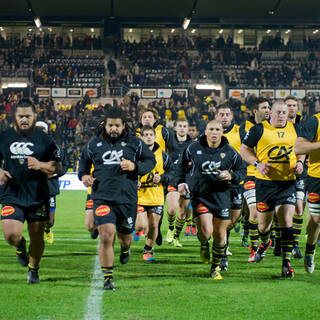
{"x":154,"y":209}
{"x":89,"y":202}
{"x":271,"y":194}
{"x":249,"y":190}
{"x":313,"y":188}
{"x":36,"y":213}
{"x":300,"y":187}
{"x":199,"y":209}
{"x":236,"y":197}
{"x":52,"y":204}
{"x":123,"y":216}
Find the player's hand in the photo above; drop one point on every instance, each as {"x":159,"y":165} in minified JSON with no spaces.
{"x":224,"y":175}
{"x":87,"y":180}
{"x":264,"y":168}
{"x":298,"y":168}
{"x":4,"y":177}
{"x":182,"y":188}
{"x":127,"y":165}
{"x":33,"y":163}
{"x":156,"y":178}
{"x":139,"y":184}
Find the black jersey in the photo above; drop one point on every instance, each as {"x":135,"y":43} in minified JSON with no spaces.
{"x":53,"y":182}
{"x":111,"y":182}
{"x":204,"y":175}
{"x":176,"y":147}
{"x":26,"y":187}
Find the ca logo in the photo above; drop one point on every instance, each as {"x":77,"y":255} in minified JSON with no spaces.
{"x":112,"y":157}
{"x":21,"y":148}
{"x":279,"y":154}
{"x":210,"y":167}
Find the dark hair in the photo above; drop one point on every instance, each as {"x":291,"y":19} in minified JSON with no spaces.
{"x":25,"y":103}
{"x":181,"y":120}
{"x":257,"y":101}
{"x":290,"y":97}
{"x":147,"y":128}
{"x":223,"y":106}
{"x":115,"y":113}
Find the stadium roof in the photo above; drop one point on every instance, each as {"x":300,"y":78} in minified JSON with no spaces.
{"x":169,"y":11}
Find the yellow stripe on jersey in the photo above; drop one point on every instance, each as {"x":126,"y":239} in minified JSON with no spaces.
{"x":314,"y":157}
{"x":151,"y":194}
{"x":251,"y":170}
{"x":276,"y":148}
{"x":233,"y":137}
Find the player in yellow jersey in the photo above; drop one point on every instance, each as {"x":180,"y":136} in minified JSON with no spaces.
{"x":231,"y":132}
{"x":308,"y":142}
{"x":150,"y":116}
{"x":261,"y":111}
{"x":151,"y":193}
{"x":276,"y":165}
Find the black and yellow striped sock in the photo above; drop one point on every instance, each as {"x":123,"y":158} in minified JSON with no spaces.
{"x":297,"y":228}
{"x":286,"y":242}
{"x":32,"y":269}
{"x":254,"y":234}
{"x":265,"y":240}
{"x":171,"y":220}
{"x":178,"y":227}
{"x":245,"y":222}
{"x":107,"y":272}
{"x":217,"y":255}
{"x":310,"y":249}
{"x":189,"y":222}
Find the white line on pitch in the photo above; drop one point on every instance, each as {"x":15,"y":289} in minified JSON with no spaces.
{"x":95,"y":297}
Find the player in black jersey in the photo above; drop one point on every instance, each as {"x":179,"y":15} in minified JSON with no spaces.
{"x":118,"y":159}
{"x":214,"y":163}
{"x":29,"y":156}
{"x":177,"y":202}
{"x":53,"y":183}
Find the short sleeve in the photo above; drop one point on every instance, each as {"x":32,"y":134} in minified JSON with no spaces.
{"x":253,"y":136}
{"x":309,"y":128}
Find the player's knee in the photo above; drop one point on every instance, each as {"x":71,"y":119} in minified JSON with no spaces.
{"x":106,"y":237}
{"x":206,"y":231}
{"x":12,"y":238}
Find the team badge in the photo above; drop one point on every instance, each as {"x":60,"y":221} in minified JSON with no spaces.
{"x":222,"y":155}
{"x":7,"y":211}
{"x":123,"y":144}
{"x":102,"y":211}
{"x":21,"y":161}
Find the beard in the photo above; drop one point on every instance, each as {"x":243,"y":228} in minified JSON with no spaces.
{"x":25,"y":132}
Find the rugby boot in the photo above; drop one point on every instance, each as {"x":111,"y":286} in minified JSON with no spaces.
{"x":215,"y":273}
{"x":261,"y":252}
{"x":309,"y":264}
{"x":21,"y":253}
{"x":125,"y":255}
{"x":287,"y":271}
{"x":109,"y":284}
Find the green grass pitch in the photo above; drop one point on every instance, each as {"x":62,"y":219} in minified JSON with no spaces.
{"x":176,"y":286}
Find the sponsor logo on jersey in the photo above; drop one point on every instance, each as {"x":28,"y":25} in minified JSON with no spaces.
{"x":102,"y":211}
{"x":19,"y":150}
{"x":7,"y":211}
{"x":313,"y":197}
{"x":211,"y":167}
{"x":249,"y":185}
{"x":261,"y":206}
{"x":279,"y":154}
{"x":112,"y":157}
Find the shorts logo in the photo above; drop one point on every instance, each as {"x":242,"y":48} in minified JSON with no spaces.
{"x":140,"y":209}
{"x":171,"y":188}
{"x":313,"y":197}
{"x":201,"y":208}
{"x":89,"y":204}
{"x":261,"y":206}
{"x":102,"y":211}
{"x":7,"y":211}
{"x":249,"y":185}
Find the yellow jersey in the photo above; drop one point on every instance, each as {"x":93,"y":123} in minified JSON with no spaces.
{"x":233,"y":135}
{"x":160,"y":139}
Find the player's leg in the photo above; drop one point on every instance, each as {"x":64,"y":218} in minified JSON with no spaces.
{"x":297,"y":228}
{"x":151,"y":236}
{"x":313,"y":230}
{"x":218,"y":246}
{"x":89,"y":218}
{"x":205,"y":228}
{"x":180,"y":220}
{"x":141,"y":223}
{"x":173,"y":205}
{"x":48,"y":234}
{"x":36,"y":248}
{"x":188,"y":231}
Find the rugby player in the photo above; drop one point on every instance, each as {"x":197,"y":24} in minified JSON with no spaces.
{"x":53,"y":183}
{"x":151,"y":193}
{"x":231,"y":132}
{"x":276,"y":165}
{"x":308,"y":142}
{"x":29,"y":156}
{"x":214,"y":163}
{"x":261,"y":111}
{"x":118,"y":159}
{"x":295,"y":118}
{"x":177,"y":202}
